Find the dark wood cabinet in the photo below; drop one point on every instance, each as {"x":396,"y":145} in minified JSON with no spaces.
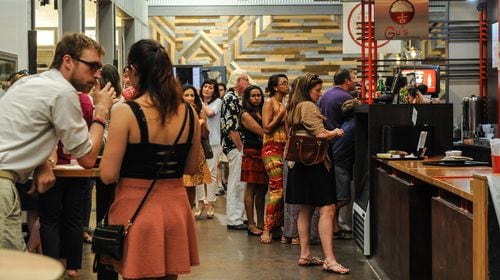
{"x":451,"y":241}
{"x":403,"y":218}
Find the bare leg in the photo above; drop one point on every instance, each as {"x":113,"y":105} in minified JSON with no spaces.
{"x":249,"y":202}
{"x":260,"y":203}
{"x":340,"y":204}
{"x":326,"y":214}
{"x":34,"y":243}
{"x":191,"y":192}
{"x":304,"y":227}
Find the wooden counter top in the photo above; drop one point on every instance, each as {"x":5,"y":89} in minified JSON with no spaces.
{"x":453,"y":179}
{"x":75,"y":171}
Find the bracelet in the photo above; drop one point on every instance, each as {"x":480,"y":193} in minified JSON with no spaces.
{"x":100,"y":121}
{"x":51,"y":162}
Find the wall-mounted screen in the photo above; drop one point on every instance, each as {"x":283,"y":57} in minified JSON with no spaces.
{"x":423,"y":74}
{"x":188,"y":74}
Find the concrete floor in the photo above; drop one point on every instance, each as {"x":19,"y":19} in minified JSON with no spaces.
{"x":233,"y":254}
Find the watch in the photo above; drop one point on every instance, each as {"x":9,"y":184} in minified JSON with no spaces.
{"x":51,"y":162}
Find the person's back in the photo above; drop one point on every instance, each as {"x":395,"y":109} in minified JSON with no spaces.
{"x":149,"y":139}
{"x":162,"y":240}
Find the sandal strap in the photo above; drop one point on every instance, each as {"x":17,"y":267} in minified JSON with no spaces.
{"x":311,"y":259}
{"x":338,"y":265}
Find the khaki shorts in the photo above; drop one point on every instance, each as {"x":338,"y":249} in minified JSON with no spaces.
{"x":11,"y":236}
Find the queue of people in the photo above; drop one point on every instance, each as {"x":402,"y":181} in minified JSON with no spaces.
{"x":154,"y":134}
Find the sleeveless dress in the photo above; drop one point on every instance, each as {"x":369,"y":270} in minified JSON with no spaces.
{"x":272,"y":156}
{"x":162,"y":239}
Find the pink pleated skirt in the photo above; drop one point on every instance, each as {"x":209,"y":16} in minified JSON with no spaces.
{"x":162,"y":239}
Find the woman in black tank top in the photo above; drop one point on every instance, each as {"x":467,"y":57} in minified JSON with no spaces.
{"x":252,"y":168}
{"x":141,"y":133}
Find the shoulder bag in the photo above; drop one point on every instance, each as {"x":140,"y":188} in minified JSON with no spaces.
{"x":109,"y":239}
{"x":308,"y":150}
{"x":207,"y":150}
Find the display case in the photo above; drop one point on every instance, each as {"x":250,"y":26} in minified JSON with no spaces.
{"x":8,"y":65}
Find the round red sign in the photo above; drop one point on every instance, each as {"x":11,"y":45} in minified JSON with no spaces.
{"x":402,"y":12}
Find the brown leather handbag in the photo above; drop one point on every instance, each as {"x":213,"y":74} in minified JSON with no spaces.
{"x":308,"y":150}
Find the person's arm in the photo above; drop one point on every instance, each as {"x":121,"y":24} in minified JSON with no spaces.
{"x":314,"y":122}
{"x":193,"y":158}
{"x":208,"y":111}
{"x":116,"y":144}
{"x":270,"y":120}
{"x":236,"y":138}
{"x":103,"y":100}
{"x":249,"y":123}
{"x":43,"y":177}
{"x":213,"y":108}
{"x":330,"y":134}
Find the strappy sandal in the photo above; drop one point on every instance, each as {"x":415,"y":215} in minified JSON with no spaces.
{"x":336,"y":268}
{"x":285,"y":240}
{"x":310,"y":261}
{"x":295,"y":241}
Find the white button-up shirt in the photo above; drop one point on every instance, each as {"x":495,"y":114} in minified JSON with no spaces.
{"x":35,"y":113}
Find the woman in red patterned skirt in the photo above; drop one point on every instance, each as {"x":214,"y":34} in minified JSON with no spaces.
{"x":252,"y":167}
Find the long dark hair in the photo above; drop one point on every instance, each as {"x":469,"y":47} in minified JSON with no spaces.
{"x":197,"y":100}
{"x":216,"y":89}
{"x":109,"y":73}
{"x":301,"y":92}
{"x":273,"y":82}
{"x":156,"y":76}
{"x":248,"y":107}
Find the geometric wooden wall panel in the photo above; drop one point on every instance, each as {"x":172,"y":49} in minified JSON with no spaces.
{"x":262,"y":45}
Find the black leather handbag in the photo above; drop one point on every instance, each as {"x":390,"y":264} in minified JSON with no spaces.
{"x":308,"y":150}
{"x":205,"y":144}
{"x":109,"y":239}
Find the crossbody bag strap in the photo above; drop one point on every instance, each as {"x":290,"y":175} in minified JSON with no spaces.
{"x":165,"y":160}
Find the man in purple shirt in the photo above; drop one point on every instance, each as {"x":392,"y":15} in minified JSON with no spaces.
{"x":342,"y":148}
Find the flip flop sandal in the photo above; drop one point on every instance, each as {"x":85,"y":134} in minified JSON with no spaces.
{"x":336,"y":268}
{"x":310,"y":261}
{"x":284,"y":240}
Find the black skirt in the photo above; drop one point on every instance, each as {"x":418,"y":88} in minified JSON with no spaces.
{"x":311,"y":185}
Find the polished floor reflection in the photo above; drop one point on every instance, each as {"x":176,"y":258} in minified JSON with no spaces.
{"x":232,"y":254}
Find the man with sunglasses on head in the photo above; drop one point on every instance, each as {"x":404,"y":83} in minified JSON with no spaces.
{"x":39,"y":110}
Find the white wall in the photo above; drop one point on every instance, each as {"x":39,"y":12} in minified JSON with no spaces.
{"x":460,"y":89}
{"x":138,"y":10}
{"x":14,"y":24}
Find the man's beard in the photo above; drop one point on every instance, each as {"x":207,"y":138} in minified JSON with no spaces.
{"x":78,"y":85}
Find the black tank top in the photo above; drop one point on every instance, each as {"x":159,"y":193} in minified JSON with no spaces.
{"x":252,"y":140}
{"x":142,"y":160}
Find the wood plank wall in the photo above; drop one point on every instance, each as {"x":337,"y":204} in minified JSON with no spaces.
{"x":262,"y":45}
